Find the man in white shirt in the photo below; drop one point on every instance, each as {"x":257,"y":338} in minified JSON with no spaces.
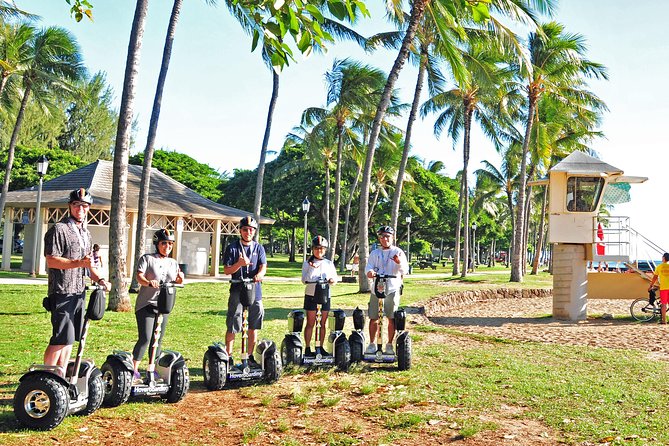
{"x":388,"y":260}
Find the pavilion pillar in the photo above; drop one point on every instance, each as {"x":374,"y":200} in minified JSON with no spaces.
{"x":130,"y":252}
{"x":8,"y":239}
{"x":215,"y":250}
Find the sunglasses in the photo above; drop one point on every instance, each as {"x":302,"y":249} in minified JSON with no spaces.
{"x":80,"y":204}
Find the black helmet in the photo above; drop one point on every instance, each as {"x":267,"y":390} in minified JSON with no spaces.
{"x":386,"y":230}
{"x":81,"y":194}
{"x":248,"y":221}
{"x":162,"y":235}
{"x":319,"y":241}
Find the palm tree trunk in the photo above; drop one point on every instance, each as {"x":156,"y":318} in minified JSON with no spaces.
{"x":526,"y":229}
{"x":465,"y":188}
{"x":293,"y":240}
{"x":407,"y":139}
{"x":417,"y":12}
{"x":337,"y":205}
{"x":12,"y":147}
{"x":257,"y":203}
{"x":326,"y":205}
{"x":540,"y":242}
{"x":458,"y":234}
{"x":145,"y":184}
{"x":517,"y":258}
{"x":347,"y":215}
{"x":118,"y":298}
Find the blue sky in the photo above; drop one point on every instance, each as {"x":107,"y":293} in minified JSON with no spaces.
{"x":217,"y":91}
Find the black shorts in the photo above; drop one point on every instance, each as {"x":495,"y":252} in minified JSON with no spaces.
{"x":67,"y":318}
{"x":310,"y":304}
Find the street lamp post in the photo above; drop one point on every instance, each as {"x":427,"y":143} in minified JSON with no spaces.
{"x":42,"y":166}
{"x":408,"y":220}
{"x":305,"y":209}
{"x":473,"y":246}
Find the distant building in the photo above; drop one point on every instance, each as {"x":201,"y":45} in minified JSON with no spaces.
{"x":197,"y":222}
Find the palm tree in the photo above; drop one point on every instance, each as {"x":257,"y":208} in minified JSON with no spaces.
{"x":557,"y":62}
{"x":446,"y":14}
{"x":52,"y":62}
{"x":145,"y":183}
{"x":118,"y":298}
{"x":479,"y":99}
{"x":352,"y":90}
{"x":14,"y":51}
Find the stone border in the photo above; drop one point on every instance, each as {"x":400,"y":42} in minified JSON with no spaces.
{"x":437,"y":305}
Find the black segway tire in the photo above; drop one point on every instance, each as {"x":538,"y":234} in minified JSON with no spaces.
{"x":180,"y":383}
{"x":116,"y":382}
{"x":214,"y":370}
{"x":96,"y":394}
{"x":342,"y":355}
{"x":41,"y":402}
{"x":404,"y":353}
{"x":291,"y":354}
{"x":272,"y":367}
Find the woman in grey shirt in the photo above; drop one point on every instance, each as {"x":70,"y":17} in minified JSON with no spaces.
{"x":152,"y":270}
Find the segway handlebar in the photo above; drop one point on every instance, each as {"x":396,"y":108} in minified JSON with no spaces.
{"x":321,"y":281}
{"x":243,"y":280}
{"x":96,"y":286}
{"x":171,"y":284}
{"x":385,"y":276}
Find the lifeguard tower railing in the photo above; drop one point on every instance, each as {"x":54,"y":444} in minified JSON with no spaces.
{"x":616,"y":241}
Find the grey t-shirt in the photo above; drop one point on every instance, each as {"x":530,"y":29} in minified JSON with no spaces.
{"x":65,"y":239}
{"x":154,"y":267}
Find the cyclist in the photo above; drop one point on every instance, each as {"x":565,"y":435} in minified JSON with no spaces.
{"x":662,"y":272}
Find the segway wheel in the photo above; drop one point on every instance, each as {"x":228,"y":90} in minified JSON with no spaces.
{"x":404,"y":353}
{"x":41,"y":402}
{"x":117,"y":381}
{"x":272,"y":367}
{"x":342,"y":355}
{"x":179,"y":385}
{"x":96,"y":394}
{"x":215,"y":371}
{"x":356,"y":351}
{"x":291,"y":354}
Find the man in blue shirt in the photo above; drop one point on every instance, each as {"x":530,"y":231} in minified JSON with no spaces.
{"x":244,"y":259}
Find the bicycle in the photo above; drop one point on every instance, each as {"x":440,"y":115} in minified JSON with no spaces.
{"x":645,"y":309}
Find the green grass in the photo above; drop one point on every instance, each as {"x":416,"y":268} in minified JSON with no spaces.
{"x":584,"y":394}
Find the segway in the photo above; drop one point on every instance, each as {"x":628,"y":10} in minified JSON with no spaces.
{"x":45,"y":397}
{"x":356,"y":340}
{"x":291,"y":346}
{"x":173,"y":377}
{"x":217,"y":370}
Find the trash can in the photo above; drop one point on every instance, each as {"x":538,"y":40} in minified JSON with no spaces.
{"x":184,"y":268}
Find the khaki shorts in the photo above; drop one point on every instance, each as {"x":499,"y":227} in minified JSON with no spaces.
{"x":390,"y":305}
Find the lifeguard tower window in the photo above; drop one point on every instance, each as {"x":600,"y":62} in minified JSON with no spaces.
{"x":583,"y":193}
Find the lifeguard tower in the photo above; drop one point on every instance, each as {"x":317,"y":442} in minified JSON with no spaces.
{"x":579,"y":184}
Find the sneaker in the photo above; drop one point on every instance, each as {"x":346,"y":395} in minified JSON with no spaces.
{"x":137,"y":378}
{"x":307,"y":351}
{"x":252,"y":361}
{"x":324,"y":353}
{"x":371,"y":349}
{"x":389,"y":349}
{"x":231,"y":362}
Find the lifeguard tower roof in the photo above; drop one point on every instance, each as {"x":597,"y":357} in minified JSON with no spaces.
{"x":580,"y":163}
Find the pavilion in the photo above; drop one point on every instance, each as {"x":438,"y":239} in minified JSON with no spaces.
{"x":198,"y":223}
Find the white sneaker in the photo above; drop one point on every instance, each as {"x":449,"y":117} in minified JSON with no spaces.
{"x":371,"y":349}
{"x":389,"y":349}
